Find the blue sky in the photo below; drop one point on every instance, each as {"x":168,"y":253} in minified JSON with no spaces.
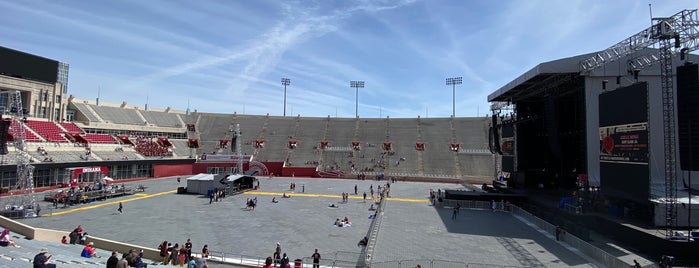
{"x":229,"y":56}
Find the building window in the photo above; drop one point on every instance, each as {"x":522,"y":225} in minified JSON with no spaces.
{"x":42,"y":112}
{"x":44,"y":96}
{"x":56,"y":114}
{"x":58,"y":98}
{"x":70,"y":115}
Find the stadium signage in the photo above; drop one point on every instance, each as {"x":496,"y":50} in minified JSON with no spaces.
{"x":92,"y":169}
{"x":223,"y":158}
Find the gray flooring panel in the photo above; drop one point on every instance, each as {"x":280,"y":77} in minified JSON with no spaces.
{"x":411,"y":228}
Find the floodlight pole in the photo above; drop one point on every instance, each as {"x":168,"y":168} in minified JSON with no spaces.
{"x":285,"y":82}
{"x":356,"y":85}
{"x":453,"y":81}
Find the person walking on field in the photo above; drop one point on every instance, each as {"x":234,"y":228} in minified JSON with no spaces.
{"x":316,"y":259}
{"x":121,"y":208}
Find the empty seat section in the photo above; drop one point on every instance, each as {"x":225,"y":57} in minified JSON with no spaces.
{"x":71,"y":127}
{"x":85,"y":110}
{"x":49,"y":130}
{"x":118,"y":115}
{"x":99,"y":138}
{"x":28,"y":135}
{"x":161,"y":119}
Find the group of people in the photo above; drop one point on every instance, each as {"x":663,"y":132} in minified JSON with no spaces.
{"x":182,"y":255}
{"x":252,"y":203}
{"x":342,"y":223}
{"x":215,"y":195}
{"x":130,"y":259}
{"x":76,"y":236}
{"x":281,"y":259}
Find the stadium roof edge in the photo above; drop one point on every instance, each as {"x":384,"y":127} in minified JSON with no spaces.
{"x":559,"y":66}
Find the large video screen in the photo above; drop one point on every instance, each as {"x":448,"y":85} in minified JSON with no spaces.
{"x":623,"y":136}
{"x":27,"y":66}
{"x":507,"y":147}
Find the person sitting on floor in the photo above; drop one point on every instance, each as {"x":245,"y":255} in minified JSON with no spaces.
{"x":332,"y":206}
{"x":286,"y":196}
{"x":274,"y":200}
{"x":89,"y":251}
{"x":372,"y":208}
{"x":5,"y":239}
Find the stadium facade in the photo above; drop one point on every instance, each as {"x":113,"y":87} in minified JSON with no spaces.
{"x":125,"y":141}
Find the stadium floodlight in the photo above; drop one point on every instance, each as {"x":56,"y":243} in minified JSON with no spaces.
{"x":285,"y":82}
{"x":356,"y":85}
{"x":453,"y":81}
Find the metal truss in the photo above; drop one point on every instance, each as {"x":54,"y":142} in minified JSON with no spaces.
{"x":25,"y":171}
{"x":683,"y":27}
{"x":678,"y":34}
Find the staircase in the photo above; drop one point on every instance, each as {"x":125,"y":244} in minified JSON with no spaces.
{"x":457,"y":164}
{"x":420,"y":159}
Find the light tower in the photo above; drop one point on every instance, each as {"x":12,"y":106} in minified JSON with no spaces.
{"x":285,"y":82}
{"x":356,"y":85}
{"x":453,"y":81}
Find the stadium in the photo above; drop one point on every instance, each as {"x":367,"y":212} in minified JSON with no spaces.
{"x":571,"y":145}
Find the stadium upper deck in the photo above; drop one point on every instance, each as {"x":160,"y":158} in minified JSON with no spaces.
{"x":130,"y":140}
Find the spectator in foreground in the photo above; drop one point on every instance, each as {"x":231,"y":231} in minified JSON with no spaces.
{"x":5,"y":239}
{"x":268,"y":263}
{"x":205,"y":251}
{"x":43,"y":261}
{"x":202,"y":263}
{"x":113,"y":260}
{"x":89,"y":251}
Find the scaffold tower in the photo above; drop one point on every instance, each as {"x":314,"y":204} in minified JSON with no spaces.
{"x":24,"y":197}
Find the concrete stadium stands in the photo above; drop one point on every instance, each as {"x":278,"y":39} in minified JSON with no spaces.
{"x":162,"y":119}
{"x":474,"y":157}
{"x":438,"y":159}
{"x":279,"y":131}
{"x":309,"y":135}
{"x":118,"y":115}
{"x":403,"y":135}
{"x":87,"y":111}
{"x":111,"y":152}
{"x":63,"y":255}
{"x":180,"y":148}
{"x":339,"y":134}
{"x":372,"y":134}
{"x":403,"y":160}
{"x":211,"y":129}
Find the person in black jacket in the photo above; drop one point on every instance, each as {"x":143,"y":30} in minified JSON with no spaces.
{"x":112,"y":261}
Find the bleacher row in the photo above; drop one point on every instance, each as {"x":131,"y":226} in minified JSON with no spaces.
{"x":67,"y":134}
{"x":64,"y":132}
{"x":436,"y":159}
{"x":128,"y":116}
{"x":63,"y":255}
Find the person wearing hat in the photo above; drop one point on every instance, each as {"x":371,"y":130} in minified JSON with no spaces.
{"x":42,"y":261}
{"x":89,"y":251}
